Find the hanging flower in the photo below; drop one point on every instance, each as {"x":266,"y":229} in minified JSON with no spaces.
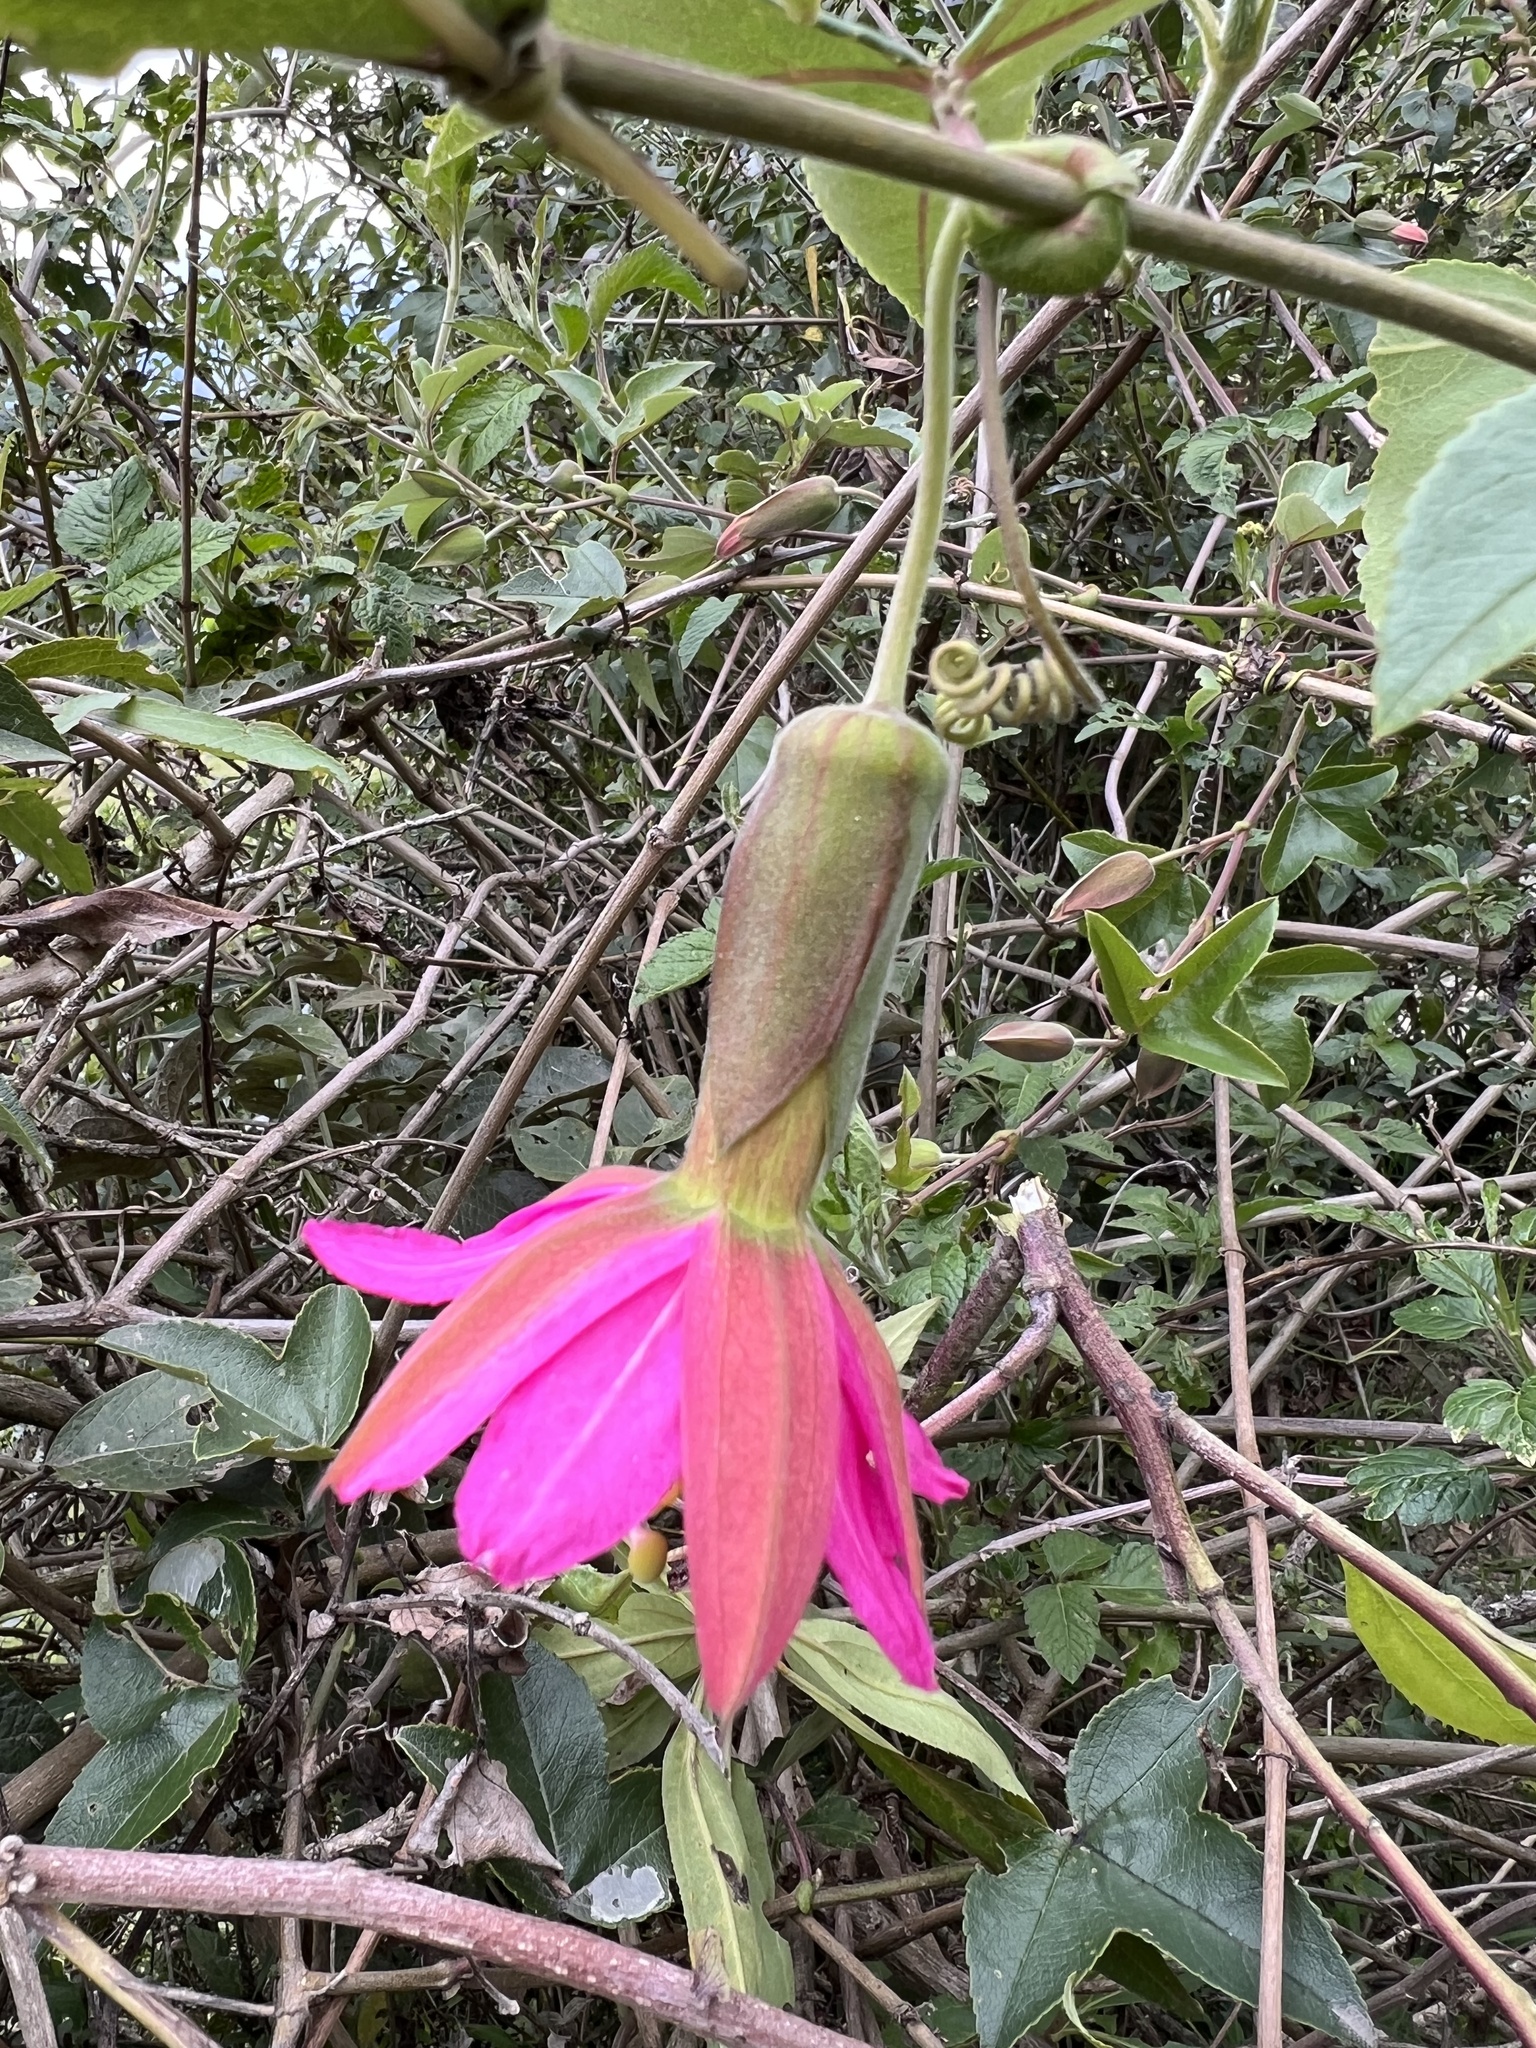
{"x":638,"y":1327}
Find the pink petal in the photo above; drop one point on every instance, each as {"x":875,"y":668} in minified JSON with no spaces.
{"x":760,"y":1425}
{"x":405,"y":1264}
{"x":873,"y":1545}
{"x":927,"y":1472}
{"x":540,"y":1296}
{"x":583,"y":1449}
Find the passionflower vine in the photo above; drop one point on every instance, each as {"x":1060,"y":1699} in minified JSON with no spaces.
{"x":640,"y":1328}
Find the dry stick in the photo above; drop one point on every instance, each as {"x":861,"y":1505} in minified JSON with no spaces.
{"x":1038,"y":1333}
{"x":189,"y":373}
{"x":1143,"y":1413}
{"x":973,"y":1318}
{"x":1268,"y":2017}
{"x":26,"y":1982}
{"x":549,"y":1951}
{"x":230,"y":1183}
{"x":120,"y":1985}
{"x":874,"y":1988}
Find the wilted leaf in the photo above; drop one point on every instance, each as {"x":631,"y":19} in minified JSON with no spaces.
{"x":108,"y":915}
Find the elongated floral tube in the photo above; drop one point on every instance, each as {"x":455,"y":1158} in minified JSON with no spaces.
{"x":638,"y":1327}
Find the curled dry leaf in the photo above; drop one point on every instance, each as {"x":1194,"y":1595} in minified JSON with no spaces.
{"x":454,"y":1612}
{"x":485,"y":1819}
{"x":1034,"y":1042}
{"x":1156,"y":1073}
{"x":127,"y":913}
{"x":1120,"y":879}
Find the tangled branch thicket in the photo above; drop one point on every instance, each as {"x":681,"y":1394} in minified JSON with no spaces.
{"x":361,"y":485}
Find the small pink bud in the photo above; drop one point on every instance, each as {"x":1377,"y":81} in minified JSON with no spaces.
{"x":1410,"y":234}
{"x":810,"y":502}
{"x":1033,"y":1042}
{"x":1120,"y":879}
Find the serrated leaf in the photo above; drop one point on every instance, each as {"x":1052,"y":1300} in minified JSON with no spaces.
{"x":1145,"y":1859}
{"x":86,"y":656}
{"x":149,"y":564}
{"x":1063,"y":1624}
{"x":677,"y":963}
{"x":487,"y":417}
{"x":97,"y":521}
{"x":1423,"y":1487}
{"x":650,"y":268}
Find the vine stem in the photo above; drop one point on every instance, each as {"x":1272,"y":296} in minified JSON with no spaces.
{"x":687,"y":96}
{"x":888,"y":684}
{"x":1233,"y":45}
{"x":549,"y":1951}
{"x":1143,"y":1414}
{"x":1016,"y":551}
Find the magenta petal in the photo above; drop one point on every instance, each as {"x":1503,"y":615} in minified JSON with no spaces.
{"x":867,"y":1547}
{"x":926,"y":1470}
{"x":405,"y":1264}
{"x":583,"y":1450}
{"x":401,"y":1438}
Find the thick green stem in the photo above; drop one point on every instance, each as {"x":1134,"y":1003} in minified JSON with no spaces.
{"x":780,"y":117}
{"x":888,"y":685}
{"x":1233,"y":46}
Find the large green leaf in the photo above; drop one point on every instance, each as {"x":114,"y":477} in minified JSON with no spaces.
{"x":27,"y":1729}
{"x":149,"y":564}
{"x":544,"y":1730}
{"x":100,"y":36}
{"x":132,"y":1787}
{"x":1462,"y":597}
{"x":1427,"y":391}
{"x":236,"y":739}
{"x":293,"y":1406}
{"x":843,"y":1669}
{"x":1144,"y":1859}
{"x":26,"y":732}
{"x":715,"y":1836}
{"x":138,"y":1438}
{"x":35,"y":826}
{"x":1429,"y":1671}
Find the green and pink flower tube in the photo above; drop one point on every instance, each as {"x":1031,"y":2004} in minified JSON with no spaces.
{"x":637,"y":1330}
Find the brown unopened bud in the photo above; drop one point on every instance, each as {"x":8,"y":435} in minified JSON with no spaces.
{"x":809,"y":503}
{"x":647,"y":1555}
{"x":1033,"y":1042}
{"x":1156,"y":1073}
{"x":1120,"y":879}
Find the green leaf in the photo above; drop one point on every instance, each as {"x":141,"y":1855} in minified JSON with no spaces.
{"x":1492,"y":1409}
{"x":100,"y":519}
{"x":1427,"y":391}
{"x":18,"y":1127}
{"x":1462,"y":598}
{"x":1317,"y":501}
{"x":87,"y":657}
{"x":900,"y":1332}
{"x":122,"y":1687}
{"x":988,"y":1825}
{"x":1183,"y":1030}
{"x":27,"y":1729}
{"x":1423,"y":1487}
{"x":1221,"y":963}
{"x":487,"y":418}
{"x":636,"y":1878}
{"x":150,"y":563}
{"x":1063,"y":1623}
{"x":26,"y":732}
{"x":714,"y":1834}
{"x":650,"y":268}
{"x":842,"y":1668}
{"x":131,"y":1788}
{"x":236,"y":739}
{"x":1431,"y":1673}
{"x":99,"y":36}
{"x":1144,"y":1859}
{"x":205,"y":1579}
{"x":544,"y":1730}
{"x":677,"y":962}
{"x":1297,"y":115}
{"x":33,"y":825}
{"x":1125,"y":975}
{"x":705,"y":618}
{"x":433,"y":1749}
{"x":19,"y":1284}
{"x":293,"y":1406}
{"x":137,"y":1438}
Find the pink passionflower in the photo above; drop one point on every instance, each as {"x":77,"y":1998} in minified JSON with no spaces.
{"x":637,"y":1329}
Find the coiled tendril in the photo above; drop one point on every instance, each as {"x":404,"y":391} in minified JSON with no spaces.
{"x":974,"y":695}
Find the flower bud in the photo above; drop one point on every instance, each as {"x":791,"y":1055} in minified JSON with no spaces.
{"x":1156,"y":1073}
{"x":1120,"y":879}
{"x":812,"y":501}
{"x":815,"y":901}
{"x":1033,"y":1042}
{"x":1074,"y":255}
{"x":647,"y":1555}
